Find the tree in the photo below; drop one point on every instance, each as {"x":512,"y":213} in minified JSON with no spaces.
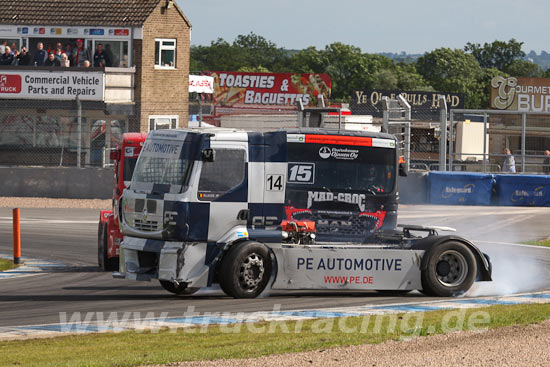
{"x":524,"y":68}
{"x":453,"y":71}
{"x":498,"y":54}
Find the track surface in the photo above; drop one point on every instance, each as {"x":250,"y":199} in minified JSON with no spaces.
{"x":70,"y":235}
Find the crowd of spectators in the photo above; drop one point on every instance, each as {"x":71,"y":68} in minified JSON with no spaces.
{"x":57,"y":56}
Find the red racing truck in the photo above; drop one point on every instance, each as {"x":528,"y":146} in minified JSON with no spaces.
{"x":109,"y":235}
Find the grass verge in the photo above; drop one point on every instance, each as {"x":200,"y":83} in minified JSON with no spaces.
{"x":543,"y":243}
{"x":6,"y":264}
{"x":214,"y":342}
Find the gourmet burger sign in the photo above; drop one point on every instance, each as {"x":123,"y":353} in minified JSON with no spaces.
{"x":60,"y":85}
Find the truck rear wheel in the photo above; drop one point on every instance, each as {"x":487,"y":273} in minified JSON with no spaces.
{"x":180,"y":289}
{"x":448,"y":270}
{"x":245,"y":271}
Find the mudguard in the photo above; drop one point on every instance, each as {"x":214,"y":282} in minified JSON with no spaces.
{"x":426,"y":243}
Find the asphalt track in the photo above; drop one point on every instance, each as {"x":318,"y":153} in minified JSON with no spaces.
{"x":70,"y":235}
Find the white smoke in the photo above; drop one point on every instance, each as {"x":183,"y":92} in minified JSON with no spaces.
{"x":516,"y":269}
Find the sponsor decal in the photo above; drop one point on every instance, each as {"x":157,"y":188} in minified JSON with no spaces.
{"x":201,"y":84}
{"x":160,"y":148}
{"x":466,"y":190}
{"x":520,"y":94}
{"x":520,"y":195}
{"x":72,"y":31}
{"x":10,"y":83}
{"x":96,"y":32}
{"x":355,"y":264}
{"x":338,"y":153}
{"x":129,"y":151}
{"x":121,"y":32}
{"x":342,"y":197}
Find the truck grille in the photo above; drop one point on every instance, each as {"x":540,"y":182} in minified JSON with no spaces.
{"x":344,"y":226}
{"x":146,"y":225}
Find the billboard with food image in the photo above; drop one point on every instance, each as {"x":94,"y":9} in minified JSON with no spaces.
{"x":242,"y":90}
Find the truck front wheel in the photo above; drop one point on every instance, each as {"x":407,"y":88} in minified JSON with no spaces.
{"x":448,"y":270}
{"x":245,"y":271}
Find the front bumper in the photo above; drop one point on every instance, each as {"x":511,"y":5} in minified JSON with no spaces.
{"x":144,"y":259}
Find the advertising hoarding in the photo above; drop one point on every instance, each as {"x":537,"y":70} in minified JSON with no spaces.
{"x":234,"y":90}
{"x":53,"y":85}
{"x":424,"y":105}
{"x":520,"y":94}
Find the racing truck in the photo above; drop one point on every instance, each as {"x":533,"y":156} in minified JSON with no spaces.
{"x":289,"y":209}
{"x":109,"y":235}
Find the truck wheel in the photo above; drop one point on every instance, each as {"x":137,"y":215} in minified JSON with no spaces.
{"x":101,"y":247}
{"x":245,"y":271}
{"x":448,"y":270}
{"x":181,"y":289}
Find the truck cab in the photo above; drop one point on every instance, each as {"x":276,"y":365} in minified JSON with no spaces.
{"x":240,"y":208}
{"x":124,"y":159}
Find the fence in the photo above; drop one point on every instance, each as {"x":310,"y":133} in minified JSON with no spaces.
{"x":54,"y":137}
{"x":478,"y":139}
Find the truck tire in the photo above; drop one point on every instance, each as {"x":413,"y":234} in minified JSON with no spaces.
{"x":181,"y":289}
{"x":245,"y":270}
{"x":101,"y":247}
{"x":448,"y":269}
{"x":105,"y":263}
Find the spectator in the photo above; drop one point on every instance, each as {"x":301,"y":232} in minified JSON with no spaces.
{"x":80,"y":54}
{"x":546,"y":163}
{"x":52,"y":60}
{"x":7,"y":57}
{"x":3,"y":47}
{"x":86,"y":64}
{"x":23,"y":58}
{"x":101,"y":57}
{"x":509,"y":164}
{"x":59,"y":50}
{"x":13,"y":48}
{"x":65,"y":61}
{"x":41,"y":55}
{"x":69,"y":52}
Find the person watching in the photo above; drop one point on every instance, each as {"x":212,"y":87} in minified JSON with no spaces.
{"x":101,"y":57}
{"x":41,"y":55}
{"x":86,"y":64}
{"x":52,"y":60}
{"x":80,"y":54}
{"x":7,"y":57}
{"x":23,"y":58}
{"x":65,"y":61}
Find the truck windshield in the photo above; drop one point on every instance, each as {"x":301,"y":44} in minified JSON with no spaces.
{"x":340,"y":168}
{"x":129,"y":166}
{"x":161,"y":163}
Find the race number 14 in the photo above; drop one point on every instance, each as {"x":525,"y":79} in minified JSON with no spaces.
{"x":274,"y":183}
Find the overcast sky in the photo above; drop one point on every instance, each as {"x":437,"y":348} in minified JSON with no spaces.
{"x":413,"y":26}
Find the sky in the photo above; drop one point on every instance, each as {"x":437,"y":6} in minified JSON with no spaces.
{"x":414,"y":26}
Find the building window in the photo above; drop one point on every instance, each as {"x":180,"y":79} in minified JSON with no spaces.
{"x":163,"y":122}
{"x":165,"y":53}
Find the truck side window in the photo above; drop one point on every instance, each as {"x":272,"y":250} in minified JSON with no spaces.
{"x":224,"y":174}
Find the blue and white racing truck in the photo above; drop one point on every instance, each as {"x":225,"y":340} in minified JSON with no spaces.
{"x":291,"y":209}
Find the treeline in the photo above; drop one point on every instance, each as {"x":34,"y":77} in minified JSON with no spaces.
{"x":468,"y":70}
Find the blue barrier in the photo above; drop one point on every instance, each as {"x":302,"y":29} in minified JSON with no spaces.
{"x":523,"y":190}
{"x":460,"y":188}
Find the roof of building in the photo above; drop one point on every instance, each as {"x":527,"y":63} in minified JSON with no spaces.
{"x":77,"y":12}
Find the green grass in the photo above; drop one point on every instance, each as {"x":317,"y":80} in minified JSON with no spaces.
{"x":6,"y":264}
{"x":543,"y":243}
{"x":136,"y":349}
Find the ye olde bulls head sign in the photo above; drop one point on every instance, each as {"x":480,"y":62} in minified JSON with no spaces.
{"x":424,"y":105}
{"x":520,"y":94}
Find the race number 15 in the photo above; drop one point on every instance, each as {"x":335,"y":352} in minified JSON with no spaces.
{"x":274,"y":183}
{"x":301,"y":173}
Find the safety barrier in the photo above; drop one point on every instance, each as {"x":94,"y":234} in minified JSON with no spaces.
{"x":454,"y":188}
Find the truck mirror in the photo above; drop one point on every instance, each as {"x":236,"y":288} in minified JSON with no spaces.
{"x":402,"y":170}
{"x":208,"y":155}
{"x":114,"y":155}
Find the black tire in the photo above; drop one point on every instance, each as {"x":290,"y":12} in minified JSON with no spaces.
{"x":448,"y":270}
{"x":245,"y":270}
{"x":181,"y":289}
{"x":101,"y":247}
{"x":105,"y":263}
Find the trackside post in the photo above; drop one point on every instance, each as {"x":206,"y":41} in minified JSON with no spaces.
{"x":16,"y":237}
